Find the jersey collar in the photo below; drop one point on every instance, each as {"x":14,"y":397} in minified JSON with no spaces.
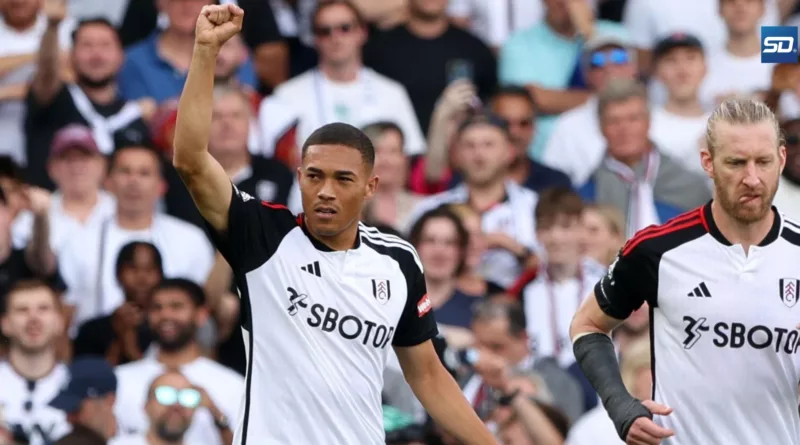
{"x":319,"y":245}
{"x":714,"y":231}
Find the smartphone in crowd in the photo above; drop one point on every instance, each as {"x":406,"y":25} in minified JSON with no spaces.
{"x":462,"y":69}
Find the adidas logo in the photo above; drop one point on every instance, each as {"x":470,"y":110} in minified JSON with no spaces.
{"x":700,"y":291}
{"x":312,"y":268}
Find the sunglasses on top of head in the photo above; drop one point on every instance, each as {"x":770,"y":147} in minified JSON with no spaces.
{"x":168,"y":396}
{"x":328,"y":30}
{"x":601,"y":59}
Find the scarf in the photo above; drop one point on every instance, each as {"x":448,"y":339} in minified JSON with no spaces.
{"x":103,"y":128}
{"x":639,"y":208}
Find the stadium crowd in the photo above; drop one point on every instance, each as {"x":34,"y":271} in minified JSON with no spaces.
{"x":519,"y":144}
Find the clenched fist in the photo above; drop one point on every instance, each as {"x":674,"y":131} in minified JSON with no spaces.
{"x":218,"y":23}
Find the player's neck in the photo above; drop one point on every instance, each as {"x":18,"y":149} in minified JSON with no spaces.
{"x":153,"y":439}
{"x":737,"y":233}
{"x":32,"y":366}
{"x":744,"y":45}
{"x":345,"y":72}
{"x":559,"y":272}
{"x":129,"y":220}
{"x":483,"y":196}
{"x":176,"y":359}
{"x":684,"y":107}
{"x":344,"y":240}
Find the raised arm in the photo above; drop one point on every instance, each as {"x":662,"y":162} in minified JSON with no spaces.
{"x":205,"y":178}
{"x":47,"y":81}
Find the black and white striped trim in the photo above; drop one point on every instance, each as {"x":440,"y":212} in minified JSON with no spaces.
{"x":376,"y":236}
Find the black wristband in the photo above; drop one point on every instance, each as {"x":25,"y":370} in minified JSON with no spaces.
{"x":596,"y":356}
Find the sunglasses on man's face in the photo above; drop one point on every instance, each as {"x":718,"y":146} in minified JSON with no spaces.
{"x":328,"y":30}
{"x":601,"y":59}
{"x":169,"y":396}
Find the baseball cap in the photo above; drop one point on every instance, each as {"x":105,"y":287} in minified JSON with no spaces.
{"x":599,"y":41}
{"x":677,"y":40}
{"x":73,"y":136}
{"x":90,"y":377}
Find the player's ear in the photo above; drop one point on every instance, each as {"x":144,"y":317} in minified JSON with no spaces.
{"x":372,"y":186}
{"x":782,"y":157}
{"x":707,"y":161}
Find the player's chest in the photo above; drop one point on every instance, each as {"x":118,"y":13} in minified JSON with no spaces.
{"x":761,"y":289}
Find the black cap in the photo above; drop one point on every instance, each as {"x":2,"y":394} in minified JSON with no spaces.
{"x":676,"y":40}
{"x":90,"y":377}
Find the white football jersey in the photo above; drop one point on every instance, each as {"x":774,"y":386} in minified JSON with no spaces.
{"x":25,"y":404}
{"x":723,"y":327}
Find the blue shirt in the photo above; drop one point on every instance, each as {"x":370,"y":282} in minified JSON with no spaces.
{"x":146,"y":74}
{"x":540,"y":56}
{"x":457,"y":311}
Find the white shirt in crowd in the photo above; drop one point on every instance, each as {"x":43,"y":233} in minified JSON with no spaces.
{"x":134,"y":439}
{"x":494,"y":20}
{"x":593,"y":428}
{"x":62,"y":226}
{"x":679,"y":137}
{"x":223,"y":385}
{"x":113,"y":11}
{"x":651,"y":20}
{"x":315,"y":100}
{"x":729,"y":74}
{"x":549,"y":308}
{"x":789,"y":105}
{"x":12,"y":112}
{"x":788,"y":199}
{"x":513,"y":217}
{"x":93,"y":287}
{"x":25,"y":405}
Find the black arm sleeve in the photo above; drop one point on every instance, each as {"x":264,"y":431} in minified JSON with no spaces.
{"x":631,"y":280}
{"x":596,"y":356}
{"x":255,"y":229}
{"x":417,"y":323}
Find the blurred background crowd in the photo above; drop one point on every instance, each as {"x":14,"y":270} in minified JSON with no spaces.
{"x":519,"y":143}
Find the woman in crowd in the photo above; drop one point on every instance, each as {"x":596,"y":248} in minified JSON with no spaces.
{"x":392,"y":202}
{"x":442,"y":242}
{"x":471,"y":280}
{"x":603,"y":233}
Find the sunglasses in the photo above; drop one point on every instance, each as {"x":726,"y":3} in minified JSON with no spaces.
{"x":169,"y":396}
{"x":602,"y":59}
{"x":327,"y":31}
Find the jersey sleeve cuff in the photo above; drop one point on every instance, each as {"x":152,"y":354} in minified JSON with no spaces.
{"x":407,"y":342}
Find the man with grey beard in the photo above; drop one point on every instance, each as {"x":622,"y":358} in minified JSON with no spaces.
{"x":171,"y":404}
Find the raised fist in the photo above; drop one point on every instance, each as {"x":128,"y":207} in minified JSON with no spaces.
{"x":218,"y":23}
{"x":55,"y":10}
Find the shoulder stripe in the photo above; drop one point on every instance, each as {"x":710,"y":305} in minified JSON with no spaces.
{"x":375,"y":233}
{"x":368,"y":240}
{"x":792,"y":225}
{"x":690,"y":219}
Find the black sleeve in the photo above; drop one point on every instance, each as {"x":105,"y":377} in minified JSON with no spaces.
{"x":255,"y":229}
{"x":37,"y":112}
{"x":92,"y":339}
{"x":631,"y":280}
{"x":417,"y":323}
{"x":259,"y":23}
{"x":487,"y":80}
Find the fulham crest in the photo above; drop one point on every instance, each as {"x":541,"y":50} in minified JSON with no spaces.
{"x":381,"y":290}
{"x":790,"y":291}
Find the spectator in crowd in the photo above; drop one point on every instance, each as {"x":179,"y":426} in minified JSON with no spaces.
{"x":87,"y":260}
{"x":22,"y":24}
{"x":502,"y":346}
{"x":124,"y":335}
{"x":565,"y":277}
{"x":92,"y":100}
{"x":494,"y":21}
{"x":441,"y":241}
{"x":81,"y":436}
{"x":542,"y":59}
{"x":294,"y":18}
{"x":77,"y":167}
{"x":788,"y":196}
{"x":596,"y":428}
{"x":471,"y":280}
{"x":88,"y":398}
{"x":157,"y":66}
{"x":177,"y":309}
{"x":32,"y":376}
{"x":647,"y":186}
{"x":392,"y":203}
{"x":266,"y":179}
{"x":516,"y":106}
{"x":12,"y":185}
{"x":736,"y":68}
{"x":578,"y":152}
{"x":603,"y":232}
{"x":678,"y":127}
{"x":428,"y":40}
{"x":650,"y":20}
{"x":36,"y":260}
{"x":171,"y":404}
{"x":340,"y":89}
{"x":483,"y":153}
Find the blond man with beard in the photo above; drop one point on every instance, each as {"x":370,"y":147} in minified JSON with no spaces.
{"x":721,"y":283}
